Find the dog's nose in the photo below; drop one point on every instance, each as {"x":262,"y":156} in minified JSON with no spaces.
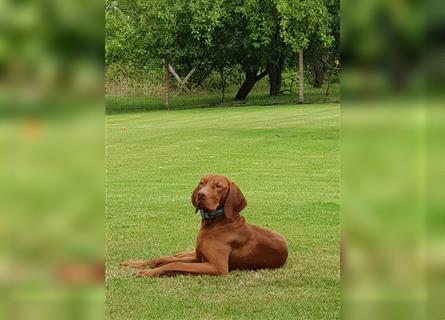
{"x":201,"y":194}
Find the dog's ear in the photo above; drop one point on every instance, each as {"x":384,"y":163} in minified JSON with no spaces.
{"x":195,"y":198}
{"x":235,"y":201}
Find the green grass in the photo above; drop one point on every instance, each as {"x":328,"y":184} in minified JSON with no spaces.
{"x":258,"y":96}
{"x":285,"y":160}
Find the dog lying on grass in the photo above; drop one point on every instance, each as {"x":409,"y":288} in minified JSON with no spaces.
{"x":225,"y":240}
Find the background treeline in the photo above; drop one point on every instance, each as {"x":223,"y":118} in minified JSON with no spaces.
{"x":235,"y":45}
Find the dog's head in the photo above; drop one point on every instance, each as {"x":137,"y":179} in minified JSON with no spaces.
{"x":216,"y":191}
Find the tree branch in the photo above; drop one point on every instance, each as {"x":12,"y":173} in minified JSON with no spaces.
{"x":261,"y":75}
{"x":329,"y":65}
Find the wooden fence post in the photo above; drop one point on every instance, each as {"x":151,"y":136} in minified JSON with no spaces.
{"x":166,"y":83}
{"x":181,"y":83}
{"x":223,"y":84}
{"x":301,"y":77}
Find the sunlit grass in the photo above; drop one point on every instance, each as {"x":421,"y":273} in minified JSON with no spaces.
{"x":285,"y":160}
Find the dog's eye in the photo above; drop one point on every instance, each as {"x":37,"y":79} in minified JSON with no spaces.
{"x":201,"y":183}
{"x":219,"y":186}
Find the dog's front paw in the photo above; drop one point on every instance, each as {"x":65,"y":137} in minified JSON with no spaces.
{"x":136,"y":264}
{"x":181,"y":255}
{"x":147,"y":274}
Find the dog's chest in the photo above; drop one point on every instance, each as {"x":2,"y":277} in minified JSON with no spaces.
{"x":209,"y":241}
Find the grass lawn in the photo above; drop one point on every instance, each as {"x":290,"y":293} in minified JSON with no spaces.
{"x":285,"y":159}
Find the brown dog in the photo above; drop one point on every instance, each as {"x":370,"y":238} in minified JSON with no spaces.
{"x":225,"y":241}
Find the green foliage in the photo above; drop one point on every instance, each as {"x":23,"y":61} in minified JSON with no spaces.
{"x":213,"y":36}
{"x":205,"y":16}
{"x":301,"y":20}
{"x":118,"y":29}
{"x":155,"y":24}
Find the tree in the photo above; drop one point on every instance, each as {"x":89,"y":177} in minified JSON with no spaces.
{"x":118,"y":28}
{"x":216,"y":36}
{"x":262,"y":42}
{"x":173,"y":30}
{"x":300,"y":22}
{"x":322,"y":59}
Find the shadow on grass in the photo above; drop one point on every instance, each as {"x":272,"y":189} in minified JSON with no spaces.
{"x":125,"y":104}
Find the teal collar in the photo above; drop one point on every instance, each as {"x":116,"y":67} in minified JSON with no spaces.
{"x":212,"y":215}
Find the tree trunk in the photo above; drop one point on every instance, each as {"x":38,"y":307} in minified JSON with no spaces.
{"x":223,"y":85}
{"x":247,"y":86}
{"x":275,"y":71}
{"x":328,"y":86}
{"x":249,"y":83}
{"x":300,"y":77}
{"x":319,"y":74}
{"x":166,"y":83}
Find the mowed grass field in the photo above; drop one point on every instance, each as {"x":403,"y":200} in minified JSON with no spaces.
{"x":284,"y":158}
